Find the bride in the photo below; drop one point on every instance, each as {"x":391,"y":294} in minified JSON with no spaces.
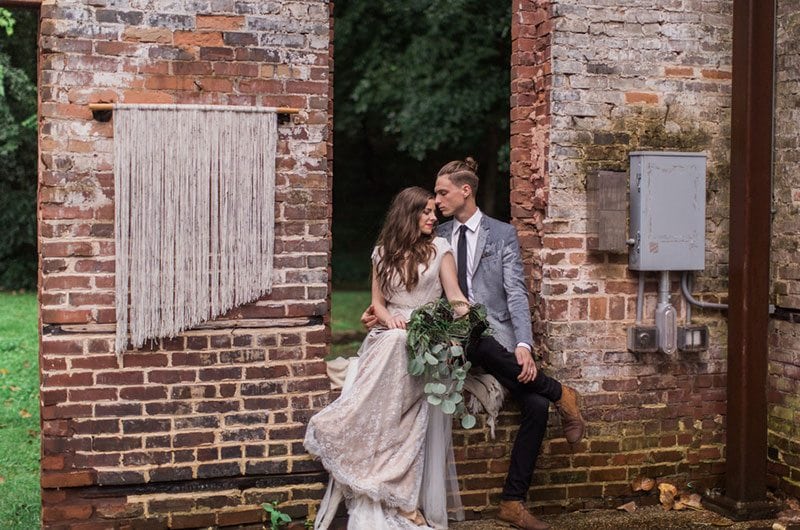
{"x":387,"y":452}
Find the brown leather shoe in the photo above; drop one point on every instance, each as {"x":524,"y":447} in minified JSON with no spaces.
{"x":517,"y":514}
{"x":569,"y":409}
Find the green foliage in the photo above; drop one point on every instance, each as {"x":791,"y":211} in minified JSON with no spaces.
{"x":277,"y":518}
{"x":17,"y":149}
{"x":426,"y":72}
{"x":418,"y":83}
{"x":19,"y":412}
{"x":435,"y":344}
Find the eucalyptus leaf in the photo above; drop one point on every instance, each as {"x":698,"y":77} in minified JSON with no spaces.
{"x":438,"y":388}
{"x":430,"y":359}
{"x":456,"y":351}
{"x":448,"y":407}
{"x":434,"y":400}
{"x":468,"y":421}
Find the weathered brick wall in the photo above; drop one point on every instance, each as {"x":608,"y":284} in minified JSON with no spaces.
{"x":222,"y":408}
{"x":784,"y":366}
{"x":622,"y":76}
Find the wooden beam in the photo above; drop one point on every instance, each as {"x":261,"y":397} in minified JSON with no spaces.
{"x":277,"y":110}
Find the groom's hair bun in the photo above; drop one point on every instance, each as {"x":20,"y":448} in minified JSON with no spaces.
{"x":471,"y":164}
{"x":462,"y":172}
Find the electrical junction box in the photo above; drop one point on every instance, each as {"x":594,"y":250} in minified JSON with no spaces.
{"x":692,"y":338}
{"x":668,"y":211}
{"x":642,"y":339}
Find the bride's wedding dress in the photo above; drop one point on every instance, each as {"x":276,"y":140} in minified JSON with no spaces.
{"x":386,"y":450}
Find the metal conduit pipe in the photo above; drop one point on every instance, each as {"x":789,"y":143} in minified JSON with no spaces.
{"x":689,"y":285}
{"x":687,"y":293}
{"x":663,"y":288}
{"x":640,"y":299}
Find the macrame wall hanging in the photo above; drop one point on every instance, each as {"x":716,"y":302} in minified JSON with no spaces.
{"x":194,"y":223}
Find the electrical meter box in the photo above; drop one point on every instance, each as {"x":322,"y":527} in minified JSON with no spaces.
{"x":668,"y":211}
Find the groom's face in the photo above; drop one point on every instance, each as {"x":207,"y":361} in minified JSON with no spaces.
{"x":450,"y":198}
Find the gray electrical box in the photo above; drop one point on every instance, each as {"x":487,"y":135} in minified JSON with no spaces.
{"x":668,"y":211}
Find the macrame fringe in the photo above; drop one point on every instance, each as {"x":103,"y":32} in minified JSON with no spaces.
{"x":194,"y":220}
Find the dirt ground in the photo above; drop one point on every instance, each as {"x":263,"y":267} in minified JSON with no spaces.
{"x":647,"y":518}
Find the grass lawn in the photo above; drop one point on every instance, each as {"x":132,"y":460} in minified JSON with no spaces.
{"x":346,"y":328}
{"x":19,"y":412}
{"x":346,"y":309}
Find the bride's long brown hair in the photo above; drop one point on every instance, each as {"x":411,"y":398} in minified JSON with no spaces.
{"x":404,"y":246}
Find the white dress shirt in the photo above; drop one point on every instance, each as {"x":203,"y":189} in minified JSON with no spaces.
{"x":472,"y":242}
{"x":472,"y":224}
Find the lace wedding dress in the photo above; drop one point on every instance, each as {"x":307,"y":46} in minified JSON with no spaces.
{"x":384,"y":447}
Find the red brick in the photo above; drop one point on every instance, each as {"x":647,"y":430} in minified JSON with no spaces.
{"x":198,"y":38}
{"x":678,"y":71}
{"x":63,"y":316}
{"x":70,"y":379}
{"x":67,"y":480}
{"x":709,"y":73}
{"x":219,"y":22}
{"x":93,"y":299}
{"x":66,"y":513}
{"x":641,"y":97}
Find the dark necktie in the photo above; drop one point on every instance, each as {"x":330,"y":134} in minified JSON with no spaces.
{"x":462,"y":260}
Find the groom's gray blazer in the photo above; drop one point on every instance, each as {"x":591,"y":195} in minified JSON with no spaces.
{"x":498,"y":280}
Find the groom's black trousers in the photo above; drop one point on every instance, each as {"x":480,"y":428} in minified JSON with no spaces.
{"x":534,"y":401}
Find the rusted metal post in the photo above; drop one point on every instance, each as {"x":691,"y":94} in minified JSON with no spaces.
{"x":748,"y":313}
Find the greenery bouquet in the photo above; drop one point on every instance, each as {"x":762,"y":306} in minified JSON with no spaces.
{"x":436,"y":351}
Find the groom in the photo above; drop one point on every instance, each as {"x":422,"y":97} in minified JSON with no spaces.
{"x":490,"y":272}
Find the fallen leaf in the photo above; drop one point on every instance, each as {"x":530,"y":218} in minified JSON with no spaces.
{"x":667,"y":494}
{"x":793,"y":504}
{"x":778,"y":526}
{"x":24,"y":413}
{"x":2,"y":479}
{"x":3,"y":371}
{"x":629,"y":507}
{"x":691,"y":500}
{"x":642,"y":483}
{"x":13,"y":388}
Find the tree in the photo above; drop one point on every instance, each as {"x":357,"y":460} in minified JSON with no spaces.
{"x":417,"y":83}
{"x":17,"y":149}
{"x":429,"y":74}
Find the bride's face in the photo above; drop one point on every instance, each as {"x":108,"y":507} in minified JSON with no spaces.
{"x":427,"y":218}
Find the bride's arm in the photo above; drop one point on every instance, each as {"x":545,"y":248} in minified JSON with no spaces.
{"x":379,"y":306}
{"x":449,"y":279}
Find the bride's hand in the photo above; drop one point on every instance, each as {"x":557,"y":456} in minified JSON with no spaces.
{"x":460,"y":309}
{"x":396,"y":323}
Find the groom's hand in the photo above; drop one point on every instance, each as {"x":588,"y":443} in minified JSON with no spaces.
{"x":525,"y":360}
{"x":368,"y":317}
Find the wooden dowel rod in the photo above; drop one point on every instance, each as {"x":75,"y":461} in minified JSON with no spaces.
{"x":277,"y":110}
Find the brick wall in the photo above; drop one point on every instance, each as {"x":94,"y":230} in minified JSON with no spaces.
{"x":196,"y":430}
{"x":620,"y":77}
{"x":784,"y":366}
{"x":199,"y":430}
